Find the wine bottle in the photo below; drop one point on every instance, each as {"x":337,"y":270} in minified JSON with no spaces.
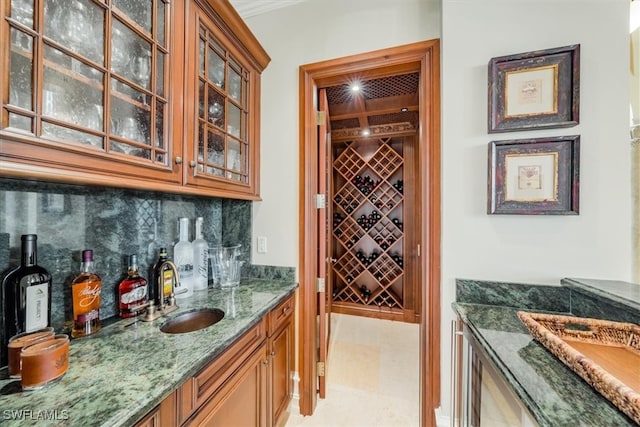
{"x":27,"y":296}
{"x":85,"y":290}
{"x":200,"y":258}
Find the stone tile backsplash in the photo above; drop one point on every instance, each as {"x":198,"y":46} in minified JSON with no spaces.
{"x":114,"y":223}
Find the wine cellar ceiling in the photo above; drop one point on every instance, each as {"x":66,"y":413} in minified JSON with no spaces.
{"x":382,"y":106}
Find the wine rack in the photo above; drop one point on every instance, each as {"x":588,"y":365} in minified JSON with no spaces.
{"x":367,"y":228}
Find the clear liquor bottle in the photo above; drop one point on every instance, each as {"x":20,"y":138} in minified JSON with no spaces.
{"x":85,"y":290}
{"x":183,"y":258}
{"x":200,"y":258}
{"x":27,"y":296}
{"x":132,"y":291}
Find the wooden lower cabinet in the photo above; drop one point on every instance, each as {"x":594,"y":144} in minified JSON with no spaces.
{"x":281,"y":351}
{"x":249,"y":385}
{"x":242,"y":400}
{"x":163,"y":415}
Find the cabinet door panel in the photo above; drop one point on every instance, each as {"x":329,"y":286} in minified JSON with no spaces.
{"x":281,"y":367}
{"x":221,"y":118}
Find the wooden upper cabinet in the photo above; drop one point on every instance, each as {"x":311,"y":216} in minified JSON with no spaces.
{"x":222,"y":99}
{"x":97,"y":92}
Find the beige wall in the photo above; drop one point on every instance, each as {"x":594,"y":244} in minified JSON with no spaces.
{"x":313,"y":31}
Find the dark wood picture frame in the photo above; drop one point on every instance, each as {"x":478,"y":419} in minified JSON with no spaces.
{"x":535,"y":90}
{"x":537,"y":176}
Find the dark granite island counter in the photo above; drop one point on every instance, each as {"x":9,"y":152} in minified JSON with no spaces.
{"x":120,"y":374}
{"x":551,"y":392}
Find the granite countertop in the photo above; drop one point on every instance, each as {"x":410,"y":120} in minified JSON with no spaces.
{"x":552,"y":392}
{"x":121,"y":373}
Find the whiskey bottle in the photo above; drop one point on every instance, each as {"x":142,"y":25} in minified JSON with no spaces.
{"x":132,"y":291}
{"x":27,"y":296}
{"x":85,"y":290}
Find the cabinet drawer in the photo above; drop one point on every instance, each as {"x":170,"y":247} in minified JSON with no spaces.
{"x":281,"y":314}
{"x":197,"y":389}
{"x":240,"y":401}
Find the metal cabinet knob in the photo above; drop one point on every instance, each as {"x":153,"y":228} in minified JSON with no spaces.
{"x":266,"y":362}
{"x":178,"y":160}
{"x":192,"y":163}
{"x":273,"y":353}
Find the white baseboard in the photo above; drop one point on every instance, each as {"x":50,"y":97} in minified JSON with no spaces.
{"x":294,"y":406}
{"x":442,"y":419}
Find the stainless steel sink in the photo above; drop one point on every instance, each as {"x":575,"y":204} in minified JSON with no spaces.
{"x":192,"y":321}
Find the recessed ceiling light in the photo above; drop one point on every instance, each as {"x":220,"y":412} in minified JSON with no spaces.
{"x":365,"y":132}
{"x":404,"y":109}
{"x":355,"y":87}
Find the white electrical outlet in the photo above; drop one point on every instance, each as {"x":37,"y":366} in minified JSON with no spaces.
{"x":262,"y":244}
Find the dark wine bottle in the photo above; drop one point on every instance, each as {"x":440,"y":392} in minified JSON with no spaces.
{"x":26,"y":301}
{"x":158,"y":274}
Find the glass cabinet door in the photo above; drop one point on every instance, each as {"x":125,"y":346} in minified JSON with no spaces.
{"x":89,"y":74}
{"x":223,"y":111}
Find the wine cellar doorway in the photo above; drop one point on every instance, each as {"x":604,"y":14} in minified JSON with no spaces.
{"x":373,"y":221}
{"x":380,"y":208}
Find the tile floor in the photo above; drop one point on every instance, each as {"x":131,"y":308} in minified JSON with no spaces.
{"x":372,"y":376}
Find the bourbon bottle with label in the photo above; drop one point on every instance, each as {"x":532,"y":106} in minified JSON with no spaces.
{"x":85,"y":290}
{"x":132,"y":291}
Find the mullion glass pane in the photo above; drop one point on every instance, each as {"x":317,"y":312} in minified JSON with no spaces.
{"x":233,"y":120}
{"x":130,"y":118}
{"x":130,"y":55}
{"x":202,"y":56}
{"x":21,"y":70}
{"x":160,"y":62}
{"x":201,"y":142}
{"x":245,"y":89}
{"x":216,"y":66}
{"x":139,"y":11}
{"x":78,"y":25}
{"x":22,"y":11}
{"x":235,"y":84}
{"x":72,"y":91}
{"x":160,"y":113}
{"x":201,"y":100}
{"x":233,"y":154}
{"x":215,"y":147}
{"x":243,"y":126}
{"x":215,"y":108}
{"x":20,"y":122}
{"x":120,"y":147}
{"x":161,"y":23}
{"x":67,"y":134}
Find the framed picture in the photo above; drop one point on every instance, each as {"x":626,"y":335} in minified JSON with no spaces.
{"x":538,"y":176}
{"x":535,"y":90}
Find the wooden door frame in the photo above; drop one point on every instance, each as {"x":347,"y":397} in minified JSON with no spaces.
{"x":326,"y":73}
